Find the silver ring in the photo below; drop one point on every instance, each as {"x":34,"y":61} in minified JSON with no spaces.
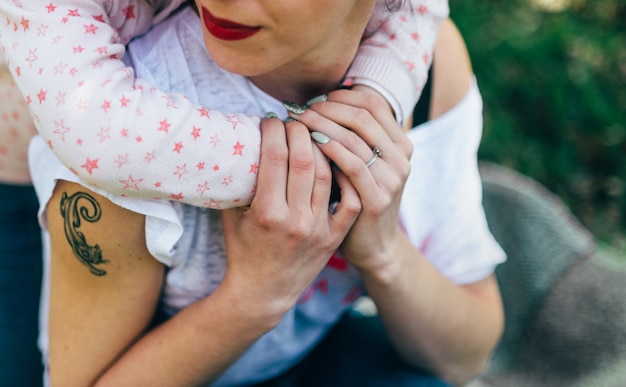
{"x":376,"y":154}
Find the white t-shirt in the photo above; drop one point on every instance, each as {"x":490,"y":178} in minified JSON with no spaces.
{"x":441,"y":209}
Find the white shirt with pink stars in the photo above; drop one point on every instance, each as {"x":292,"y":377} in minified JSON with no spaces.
{"x":126,"y":136}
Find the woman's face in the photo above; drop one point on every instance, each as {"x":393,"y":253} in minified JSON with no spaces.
{"x":255,"y":37}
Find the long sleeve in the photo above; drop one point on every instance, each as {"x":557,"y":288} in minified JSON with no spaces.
{"x":123,"y":135}
{"x":114,"y":131}
{"x":395,"y":59}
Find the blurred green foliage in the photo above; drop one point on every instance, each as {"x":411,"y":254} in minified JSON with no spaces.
{"x":554,"y":86}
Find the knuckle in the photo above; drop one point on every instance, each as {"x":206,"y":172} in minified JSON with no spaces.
{"x":277,"y":156}
{"x":381,"y":206}
{"x":372,"y":101}
{"x":295,"y":126}
{"x":362,"y":115}
{"x":407,"y":147}
{"x":355,"y":169}
{"x":300,"y":228}
{"x":269,"y":219}
{"x":323,"y":176}
{"x":350,"y":139}
{"x":405,"y":169}
{"x":353,"y":208}
{"x":302,"y":161}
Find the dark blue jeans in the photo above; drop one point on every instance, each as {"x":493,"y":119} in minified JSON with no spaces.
{"x":20,"y":285}
{"x":356,"y":353}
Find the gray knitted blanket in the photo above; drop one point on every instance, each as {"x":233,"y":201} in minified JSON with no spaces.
{"x":565,"y":302}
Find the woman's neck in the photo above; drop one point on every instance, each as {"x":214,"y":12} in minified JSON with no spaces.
{"x":321,"y":70}
{"x":291,"y":85}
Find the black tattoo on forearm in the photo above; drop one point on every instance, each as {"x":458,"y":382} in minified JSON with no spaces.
{"x":72,"y":212}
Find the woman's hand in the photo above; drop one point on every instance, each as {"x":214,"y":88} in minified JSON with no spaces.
{"x":374,"y":138}
{"x":278,"y":245}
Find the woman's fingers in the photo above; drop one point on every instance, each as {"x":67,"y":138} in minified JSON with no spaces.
{"x":302,"y":171}
{"x":368,"y":119}
{"x":373,"y":104}
{"x":348,"y":208}
{"x":354,"y":140}
{"x":323,"y":181}
{"x":274,"y":163}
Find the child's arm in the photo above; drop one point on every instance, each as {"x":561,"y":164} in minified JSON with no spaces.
{"x":125,"y":136}
{"x":395,"y":59}
{"x":115,"y":131}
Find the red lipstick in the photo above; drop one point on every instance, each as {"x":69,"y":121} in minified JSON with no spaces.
{"x":225,"y":29}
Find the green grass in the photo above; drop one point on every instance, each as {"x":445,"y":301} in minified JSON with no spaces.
{"x":554,"y":86}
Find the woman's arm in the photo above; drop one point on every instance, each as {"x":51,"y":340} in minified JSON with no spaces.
{"x":102,"y":304}
{"x":436,"y":324}
{"x":105,"y":285}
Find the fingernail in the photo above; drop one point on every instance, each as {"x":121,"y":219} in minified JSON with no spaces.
{"x":320,"y":138}
{"x":319,"y":98}
{"x":271,"y":115}
{"x":294,"y":107}
{"x":289,"y":119}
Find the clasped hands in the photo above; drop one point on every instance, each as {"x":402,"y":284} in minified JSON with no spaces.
{"x":278,"y":245}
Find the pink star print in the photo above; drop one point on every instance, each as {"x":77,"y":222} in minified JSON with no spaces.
{"x":238,"y":148}
{"x":61,"y":129}
{"x":227,"y":181}
{"x":131,"y":183}
{"x":129,"y":12}
{"x":178,"y":147}
{"x":91,"y":29}
{"x":121,"y":160}
{"x":104,"y":134}
{"x":32,"y":57}
{"x":60,"y":99}
{"x":106,"y":105}
{"x":234,"y":120}
{"x":25,"y":23}
{"x":204,"y":112}
{"x":41,"y":95}
{"x":51,"y":7}
{"x":90,"y":165}
{"x":254,"y":168}
{"x":177,"y":196}
{"x":181,"y":171}
{"x":202,"y":188}
{"x":195,"y":132}
{"x":164,"y":126}
{"x":214,"y":204}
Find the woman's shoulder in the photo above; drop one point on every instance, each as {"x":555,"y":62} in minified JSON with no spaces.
{"x":452,"y":70}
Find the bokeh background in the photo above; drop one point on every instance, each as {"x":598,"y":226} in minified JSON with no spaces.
{"x":553,"y":78}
